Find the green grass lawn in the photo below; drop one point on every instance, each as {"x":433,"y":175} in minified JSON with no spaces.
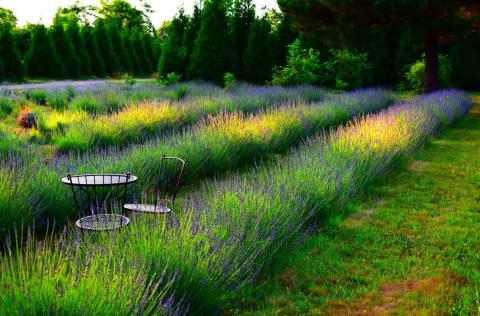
{"x":410,"y":247}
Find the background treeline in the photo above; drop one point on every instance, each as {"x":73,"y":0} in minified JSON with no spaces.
{"x":82,"y":42}
{"x":219,"y":37}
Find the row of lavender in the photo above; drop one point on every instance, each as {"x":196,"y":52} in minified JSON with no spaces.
{"x":230,"y":231}
{"x":31,"y":189}
{"x":85,"y":118}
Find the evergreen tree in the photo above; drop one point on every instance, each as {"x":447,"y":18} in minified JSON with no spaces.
{"x":64,"y":47}
{"x":191,"y":32}
{"x":91,"y":46}
{"x":23,"y":38}
{"x":243,"y":17}
{"x":141,"y":52}
{"x":409,"y":50}
{"x":465,"y":65}
{"x":2,"y":70}
{"x":284,"y":37}
{"x":42,"y":59}
{"x":119,"y":47}
{"x":13,"y":68}
{"x":259,"y":57}
{"x":104,"y":41}
{"x":137,"y":67}
{"x":212,"y":55}
{"x":383,"y":42}
{"x":151,"y":47}
{"x":73,"y":31}
{"x":173,"y":54}
{"x":430,"y":18}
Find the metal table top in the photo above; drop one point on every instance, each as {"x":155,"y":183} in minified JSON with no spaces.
{"x":98,"y":180}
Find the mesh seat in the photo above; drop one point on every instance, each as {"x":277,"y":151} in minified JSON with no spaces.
{"x":148,"y":208}
{"x":166,"y":188}
{"x":102,"y":222}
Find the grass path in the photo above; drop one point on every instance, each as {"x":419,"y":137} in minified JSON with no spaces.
{"x":411,"y":246}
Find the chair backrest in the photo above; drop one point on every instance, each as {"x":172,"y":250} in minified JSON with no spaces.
{"x":169,"y":179}
{"x":99,"y":193}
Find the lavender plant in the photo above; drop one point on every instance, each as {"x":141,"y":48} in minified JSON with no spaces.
{"x":57,"y":279}
{"x":232,"y":229}
{"x":216,"y":144}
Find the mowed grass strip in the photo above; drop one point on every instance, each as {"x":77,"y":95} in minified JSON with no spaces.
{"x":410,"y":247}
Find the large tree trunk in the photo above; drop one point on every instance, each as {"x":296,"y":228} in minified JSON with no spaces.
{"x":432,"y":74}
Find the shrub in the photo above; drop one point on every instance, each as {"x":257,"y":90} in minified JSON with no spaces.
{"x":88,"y":103}
{"x":415,"y":77}
{"x":181,"y":92}
{"x":348,"y":70}
{"x":70,"y":91}
{"x":112,"y":102}
{"x":303,"y":66}
{"x":58,"y":100}
{"x":229,"y":81}
{"x":39,"y":96}
{"x":128,"y":79}
{"x":171,"y":78}
{"x":6,"y":107}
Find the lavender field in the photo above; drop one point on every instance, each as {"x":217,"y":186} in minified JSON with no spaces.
{"x":303,"y":152}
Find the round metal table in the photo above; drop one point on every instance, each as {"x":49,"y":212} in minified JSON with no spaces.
{"x":92,"y":192}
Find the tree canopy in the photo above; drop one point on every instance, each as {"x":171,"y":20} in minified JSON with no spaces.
{"x":431,"y":18}
{"x":127,"y":15}
{"x":7,"y":17}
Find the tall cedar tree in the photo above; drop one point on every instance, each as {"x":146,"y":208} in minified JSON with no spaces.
{"x":430,"y":18}
{"x":243,"y":17}
{"x":151,"y":47}
{"x":132,"y":52}
{"x":465,"y":65}
{"x":409,"y":50}
{"x":42,"y":59}
{"x":285,"y":35}
{"x":23,"y":38}
{"x":2,"y":70}
{"x":104,"y":41}
{"x":212,"y":55}
{"x":173,"y":54}
{"x":191,"y":32}
{"x":139,"y":48}
{"x":382,"y":46}
{"x":13,"y":69}
{"x":91,"y":46}
{"x":64,"y":47}
{"x":73,"y":31}
{"x":259,"y":56}
{"x":118,"y":42}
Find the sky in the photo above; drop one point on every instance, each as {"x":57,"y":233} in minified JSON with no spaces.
{"x":35,"y":11}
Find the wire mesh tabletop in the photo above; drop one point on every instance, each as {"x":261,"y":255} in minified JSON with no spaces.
{"x":99,"y":198}
{"x":102,"y":222}
{"x":98,"y":179}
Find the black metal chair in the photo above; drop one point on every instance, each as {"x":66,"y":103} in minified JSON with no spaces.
{"x":166,"y":188}
{"x":99,"y":199}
